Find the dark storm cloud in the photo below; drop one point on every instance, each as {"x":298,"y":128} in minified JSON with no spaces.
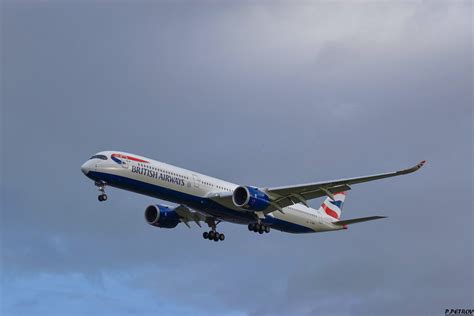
{"x":256,"y":94}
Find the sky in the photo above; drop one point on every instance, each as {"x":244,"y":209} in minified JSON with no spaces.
{"x":256,"y":93}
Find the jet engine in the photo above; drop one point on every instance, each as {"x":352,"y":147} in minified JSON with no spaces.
{"x":161,"y":216}
{"x":250,"y":198}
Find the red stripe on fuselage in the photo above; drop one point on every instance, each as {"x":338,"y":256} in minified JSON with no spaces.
{"x":330,"y":212}
{"x":129,"y":157}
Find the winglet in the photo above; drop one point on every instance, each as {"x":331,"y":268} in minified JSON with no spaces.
{"x":412,"y":169}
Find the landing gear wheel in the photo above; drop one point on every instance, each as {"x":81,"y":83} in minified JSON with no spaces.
{"x":267,"y":229}
{"x":213,"y":234}
{"x":102,"y":197}
{"x":261,"y":230}
{"x":251,"y":226}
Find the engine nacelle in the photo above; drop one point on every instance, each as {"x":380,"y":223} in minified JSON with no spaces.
{"x":161,"y":216}
{"x":250,"y":198}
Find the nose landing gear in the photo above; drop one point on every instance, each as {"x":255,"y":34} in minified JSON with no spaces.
{"x":259,"y":228}
{"x":102,"y":197}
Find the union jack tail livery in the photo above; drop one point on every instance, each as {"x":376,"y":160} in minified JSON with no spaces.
{"x":332,"y":207}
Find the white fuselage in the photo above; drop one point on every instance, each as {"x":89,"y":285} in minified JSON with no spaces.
{"x":167,"y":182}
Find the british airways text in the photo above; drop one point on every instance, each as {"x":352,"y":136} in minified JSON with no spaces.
{"x":157,"y":175}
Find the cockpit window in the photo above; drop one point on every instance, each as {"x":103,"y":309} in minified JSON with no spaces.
{"x":103,"y":157}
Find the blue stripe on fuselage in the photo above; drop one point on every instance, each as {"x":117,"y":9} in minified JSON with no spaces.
{"x":286,"y":226}
{"x":203,"y":204}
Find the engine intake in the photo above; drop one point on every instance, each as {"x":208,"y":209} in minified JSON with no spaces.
{"x":250,"y":198}
{"x":161,"y":216}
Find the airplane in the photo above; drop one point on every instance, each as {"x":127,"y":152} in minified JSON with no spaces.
{"x":204,"y":199}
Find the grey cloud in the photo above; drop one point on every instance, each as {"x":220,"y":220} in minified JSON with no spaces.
{"x":256,"y":94}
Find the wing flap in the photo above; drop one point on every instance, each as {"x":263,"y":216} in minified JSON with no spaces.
{"x":188,"y":215}
{"x":285,"y":199}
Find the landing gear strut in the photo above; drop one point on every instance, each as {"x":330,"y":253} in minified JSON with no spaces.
{"x":259,"y":228}
{"x":102,"y":196}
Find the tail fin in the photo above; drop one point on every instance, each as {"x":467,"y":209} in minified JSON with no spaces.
{"x":332,"y":207}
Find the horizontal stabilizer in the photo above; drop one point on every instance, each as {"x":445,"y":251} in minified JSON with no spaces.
{"x":358,"y":220}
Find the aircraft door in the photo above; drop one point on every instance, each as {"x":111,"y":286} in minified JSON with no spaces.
{"x":125,"y":162}
{"x":196,"y":181}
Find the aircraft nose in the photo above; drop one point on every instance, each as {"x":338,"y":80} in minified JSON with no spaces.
{"x":85,"y":168}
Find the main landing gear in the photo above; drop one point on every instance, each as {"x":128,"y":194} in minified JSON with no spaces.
{"x":259,"y":228}
{"x":102,"y":197}
{"x":213,"y":235}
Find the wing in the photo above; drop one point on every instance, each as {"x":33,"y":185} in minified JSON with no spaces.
{"x":281,"y":197}
{"x":187,"y":215}
{"x":288,"y":195}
